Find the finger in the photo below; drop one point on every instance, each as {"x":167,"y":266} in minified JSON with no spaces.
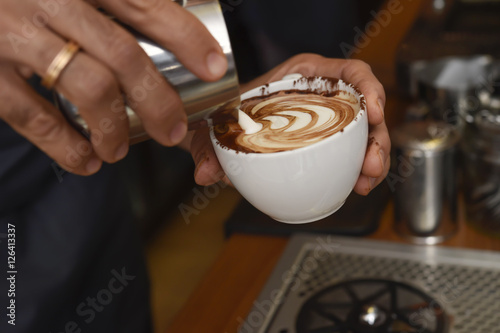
{"x":37,"y":120}
{"x":208,"y":170}
{"x":379,"y":146}
{"x":360,"y":74}
{"x":91,"y":87}
{"x":177,"y":30}
{"x":147,"y":92}
{"x":365,"y":184}
{"x":86,"y":83}
{"x":377,"y":161}
{"x":94,"y":90}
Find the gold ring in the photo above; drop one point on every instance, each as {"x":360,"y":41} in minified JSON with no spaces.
{"x":57,"y":65}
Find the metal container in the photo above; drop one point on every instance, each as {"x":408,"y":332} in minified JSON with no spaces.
{"x":205,"y":103}
{"x":481,"y":167}
{"x":450,"y":85}
{"x":423,"y":178}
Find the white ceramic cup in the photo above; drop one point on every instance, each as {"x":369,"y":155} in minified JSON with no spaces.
{"x":305,"y":184}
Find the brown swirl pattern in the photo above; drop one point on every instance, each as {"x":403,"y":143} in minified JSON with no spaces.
{"x":291,"y":120}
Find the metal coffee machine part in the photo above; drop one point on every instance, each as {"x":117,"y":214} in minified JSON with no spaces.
{"x":447,"y":28}
{"x":481,"y":165}
{"x":450,"y":85}
{"x":423,"y":178}
{"x":205,"y":103}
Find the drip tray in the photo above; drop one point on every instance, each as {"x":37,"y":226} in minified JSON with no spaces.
{"x":338,"y":284}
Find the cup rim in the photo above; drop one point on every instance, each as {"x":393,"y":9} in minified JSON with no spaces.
{"x":265,"y":90}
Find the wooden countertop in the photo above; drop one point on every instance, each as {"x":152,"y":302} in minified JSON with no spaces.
{"x":225,"y":296}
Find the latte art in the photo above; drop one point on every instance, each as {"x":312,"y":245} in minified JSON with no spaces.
{"x":290,"y":120}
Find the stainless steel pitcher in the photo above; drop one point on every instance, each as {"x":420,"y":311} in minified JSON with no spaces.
{"x":204,"y":102}
{"x":425,"y":183}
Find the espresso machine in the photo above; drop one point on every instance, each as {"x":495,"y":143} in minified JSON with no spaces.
{"x":449,"y":66}
{"x":448,"y":29}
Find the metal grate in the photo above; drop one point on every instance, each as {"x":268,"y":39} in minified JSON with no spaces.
{"x":465,"y":283}
{"x":471,"y":296}
{"x":371,"y":306}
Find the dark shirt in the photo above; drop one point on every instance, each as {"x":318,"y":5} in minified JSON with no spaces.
{"x":78,"y":256}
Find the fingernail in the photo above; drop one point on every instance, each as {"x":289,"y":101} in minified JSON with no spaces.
{"x":372,"y":183}
{"x":381,"y":107}
{"x":122,"y":151}
{"x":93,"y":165}
{"x":217,"y":64}
{"x":178,"y":133}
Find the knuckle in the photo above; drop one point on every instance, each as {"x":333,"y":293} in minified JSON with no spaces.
{"x":124,"y":50}
{"x":45,"y":126}
{"x":37,"y":121}
{"x":96,"y":87}
{"x":163,"y":113}
{"x":140,"y":7}
{"x":304,"y":57}
{"x":28,"y":115}
{"x":360,"y":64}
{"x":304,"y":63}
{"x":194,"y":31}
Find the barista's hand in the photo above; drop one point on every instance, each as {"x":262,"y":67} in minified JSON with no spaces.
{"x":377,"y":162}
{"x":109,"y":65}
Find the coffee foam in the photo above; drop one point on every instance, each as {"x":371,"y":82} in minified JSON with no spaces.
{"x":247,"y":124}
{"x":292,"y":119}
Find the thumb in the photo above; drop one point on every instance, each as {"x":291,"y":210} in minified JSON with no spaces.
{"x":208,"y":170}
